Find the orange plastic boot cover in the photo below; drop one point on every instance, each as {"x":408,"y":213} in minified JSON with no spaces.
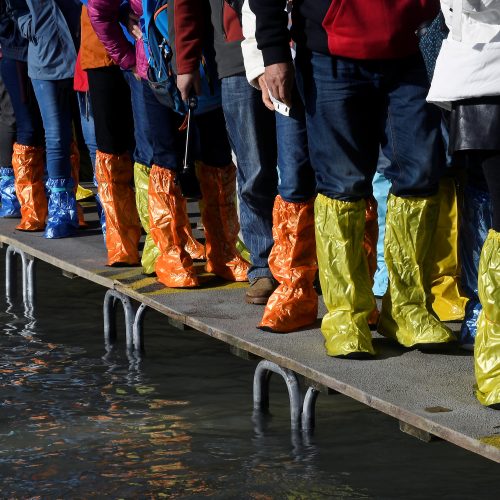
{"x":220,"y":218}
{"x":75,"y":174}
{"x":27,"y":162}
{"x":193,"y":247}
{"x":123,"y":229}
{"x":168,"y":220}
{"x":292,"y":261}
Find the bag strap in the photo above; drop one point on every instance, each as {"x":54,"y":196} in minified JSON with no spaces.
{"x":456,"y":20}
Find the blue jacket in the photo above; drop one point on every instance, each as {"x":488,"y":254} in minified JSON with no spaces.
{"x":14,"y":46}
{"x":52,"y":28}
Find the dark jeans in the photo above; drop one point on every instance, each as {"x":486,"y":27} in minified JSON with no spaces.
{"x":164,"y":131}
{"x":353,"y":107}
{"x":143,"y":152}
{"x":7,"y":127}
{"x":54,"y":99}
{"x":29,"y":128}
{"x":252,"y":133}
{"x":111,"y":104}
{"x":211,"y":142}
{"x":87,"y":122}
{"x":296,"y":175}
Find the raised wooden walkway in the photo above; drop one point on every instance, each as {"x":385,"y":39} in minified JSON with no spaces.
{"x":430,"y":394}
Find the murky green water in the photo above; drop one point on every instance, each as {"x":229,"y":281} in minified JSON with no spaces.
{"x":75,"y":423}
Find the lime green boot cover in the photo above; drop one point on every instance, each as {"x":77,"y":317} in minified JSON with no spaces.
{"x":487,"y":345}
{"x":406,"y":313}
{"x":343,"y":272}
{"x":141,"y":181}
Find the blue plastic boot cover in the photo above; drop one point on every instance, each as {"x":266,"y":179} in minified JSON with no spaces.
{"x":10,"y":204}
{"x":63,"y":219}
{"x":381,"y":187}
{"x":475,"y":223}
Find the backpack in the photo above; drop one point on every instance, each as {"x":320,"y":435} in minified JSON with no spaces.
{"x":158,"y":37}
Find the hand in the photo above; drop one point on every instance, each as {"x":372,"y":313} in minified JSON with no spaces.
{"x":133,"y":26}
{"x":188,"y":82}
{"x":280,"y":79}
{"x":134,"y":72}
{"x":265,"y":92}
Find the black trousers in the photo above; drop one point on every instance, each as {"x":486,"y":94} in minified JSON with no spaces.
{"x":112,"y":108}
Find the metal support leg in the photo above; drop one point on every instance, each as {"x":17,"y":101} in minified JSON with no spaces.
{"x":261,"y":389}
{"x":111,"y":299}
{"x":28,"y":266}
{"x":138,"y":329}
{"x":308,"y":409}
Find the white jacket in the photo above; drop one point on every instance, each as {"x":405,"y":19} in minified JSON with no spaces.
{"x":252,"y":56}
{"x":468,"y":64}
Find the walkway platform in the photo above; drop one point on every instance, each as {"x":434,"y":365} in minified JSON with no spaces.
{"x":430,"y":394}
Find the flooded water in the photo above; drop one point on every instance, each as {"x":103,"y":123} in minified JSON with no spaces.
{"x":77,"y":423}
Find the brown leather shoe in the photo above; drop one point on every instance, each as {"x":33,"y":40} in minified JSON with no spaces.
{"x":260,"y":290}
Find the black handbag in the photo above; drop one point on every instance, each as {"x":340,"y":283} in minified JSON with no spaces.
{"x":431,"y":36}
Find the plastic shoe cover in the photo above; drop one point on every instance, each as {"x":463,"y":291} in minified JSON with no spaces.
{"x":242,"y":248}
{"x":381,"y":187}
{"x":448,"y":303}
{"x":475,"y":222}
{"x":344,"y":277}
{"x":487,"y":348}
{"x":27,"y":163}
{"x":10,"y":204}
{"x":62,"y":221}
{"x":123,"y":230}
{"x":75,"y":174}
{"x":220,"y":218}
{"x":141,"y":182}
{"x":292,"y":261}
{"x":83,"y":193}
{"x":167,"y":219}
{"x":370,"y":245}
{"x":406,"y":315}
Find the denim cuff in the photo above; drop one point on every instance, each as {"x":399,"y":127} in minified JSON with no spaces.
{"x":260,"y":272}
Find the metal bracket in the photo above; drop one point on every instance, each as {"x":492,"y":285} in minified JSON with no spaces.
{"x":302,"y":412}
{"x":261,"y":381}
{"x":134,"y":321}
{"x":28,"y":266}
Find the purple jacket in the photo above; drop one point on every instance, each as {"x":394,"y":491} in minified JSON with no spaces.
{"x":105,"y":16}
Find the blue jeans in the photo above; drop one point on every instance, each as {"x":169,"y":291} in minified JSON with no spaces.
{"x":87,"y":121}
{"x":353,"y":107}
{"x":252,"y":133}
{"x":143,"y":153}
{"x":29,"y":128}
{"x":296,"y":175}
{"x":54,"y":100}
{"x":164,"y":134}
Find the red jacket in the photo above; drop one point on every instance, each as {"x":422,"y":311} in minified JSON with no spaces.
{"x":357,"y":29}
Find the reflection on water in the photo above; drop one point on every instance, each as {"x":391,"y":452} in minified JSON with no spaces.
{"x":79,"y":423}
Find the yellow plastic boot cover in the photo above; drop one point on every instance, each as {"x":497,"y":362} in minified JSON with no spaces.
{"x":343,"y":272}
{"x":123,"y":230}
{"x":220,"y":218}
{"x":406,"y":314}
{"x":167,"y":219}
{"x":27,"y":163}
{"x":487,"y":345}
{"x":141,"y":182}
{"x":447,"y":303}
{"x":292,"y":261}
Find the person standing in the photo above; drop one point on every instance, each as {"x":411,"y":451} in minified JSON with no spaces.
{"x":364,"y":85}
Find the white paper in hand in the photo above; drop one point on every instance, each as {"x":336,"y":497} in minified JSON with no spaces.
{"x":279,"y":106}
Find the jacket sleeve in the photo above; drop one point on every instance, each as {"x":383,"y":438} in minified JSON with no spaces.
{"x":272,"y":34}
{"x":252,"y":56}
{"x":105,"y":18}
{"x":188,"y":25}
